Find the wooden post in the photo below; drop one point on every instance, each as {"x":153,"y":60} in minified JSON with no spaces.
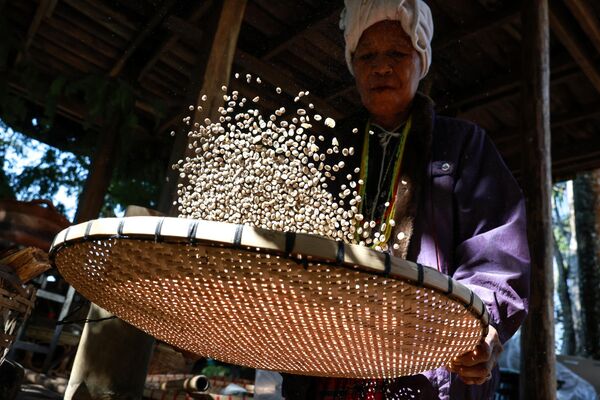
{"x":538,"y":377}
{"x":90,"y":204}
{"x":217,"y":73}
{"x":112,"y":357}
{"x":92,"y":197}
{"x":112,"y":360}
{"x":564,"y":32}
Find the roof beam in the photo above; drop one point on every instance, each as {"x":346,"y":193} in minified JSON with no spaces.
{"x":587,"y":112}
{"x":175,"y":37}
{"x":504,"y":86}
{"x":325,"y":14}
{"x":341,"y":92}
{"x":44,"y":10}
{"x":135,"y":43}
{"x":565,"y":34}
{"x":486,"y":24}
{"x":566,"y":160}
{"x":287,"y":83}
{"x":512,"y":144}
{"x":570,"y":160}
{"x":587,"y":19}
{"x":269,"y":73}
{"x":102,"y":14}
{"x":562,"y":168}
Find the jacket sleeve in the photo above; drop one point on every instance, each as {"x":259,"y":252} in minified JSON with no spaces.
{"x":491,"y":248}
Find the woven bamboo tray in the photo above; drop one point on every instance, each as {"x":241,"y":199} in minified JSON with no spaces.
{"x":287,"y":302}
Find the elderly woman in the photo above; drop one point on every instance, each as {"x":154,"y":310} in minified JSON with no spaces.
{"x":458,"y":207}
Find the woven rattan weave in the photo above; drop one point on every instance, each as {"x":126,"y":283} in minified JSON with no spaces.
{"x":270,"y":300}
{"x":16,"y":303}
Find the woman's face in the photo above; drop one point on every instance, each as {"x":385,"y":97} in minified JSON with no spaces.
{"x":387,"y":69}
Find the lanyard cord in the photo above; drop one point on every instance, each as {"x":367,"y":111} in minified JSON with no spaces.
{"x":393,"y":191}
{"x":434,"y":228}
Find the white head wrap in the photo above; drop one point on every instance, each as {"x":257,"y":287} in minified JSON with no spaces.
{"x":414,"y":16}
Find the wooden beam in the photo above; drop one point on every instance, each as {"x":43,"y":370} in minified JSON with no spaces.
{"x":84,"y":37}
{"x":220,"y":61}
{"x":172,"y":121}
{"x":580,"y":157}
{"x":587,"y":112}
{"x":538,"y":376}
{"x":267,"y":103}
{"x":104,"y":9}
{"x":73,"y":111}
{"x":261,"y":20}
{"x":288,"y":84}
{"x":103,"y":15}
{"x":71,"y":16}
{"x":51,"y":8}
{"x":183,"y":29}
{"x":216,"y":74}
{"x":330,"y":11}
{"x":587,"y":18}
{"x":503,"y":87}
{"x":567,"y":161}
{"x":483,"y":25}
{"x":341,"y":92}
{"x":171,"y":41}
{"x":71,"y":48}
{"x":564,"y":33}
{"x":44,"y":10}
{"x":267,"y":72}
{"x":141,"y":36}
{"x":67,"y":56}
{"x":511,"y":144}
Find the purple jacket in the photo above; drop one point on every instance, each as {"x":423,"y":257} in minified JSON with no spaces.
{"x":472,"y":207}
{"x":478,"y":215}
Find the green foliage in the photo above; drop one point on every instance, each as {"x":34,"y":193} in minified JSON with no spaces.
{"x":44,"y":178}
{"x":136,"y":176}
{"x":106,"y":100}
{"x":6,"y":191}
{"x":109,"y":104}
{"x":211,"y":371}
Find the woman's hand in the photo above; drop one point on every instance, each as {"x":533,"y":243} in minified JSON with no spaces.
{"x":475,"y":367}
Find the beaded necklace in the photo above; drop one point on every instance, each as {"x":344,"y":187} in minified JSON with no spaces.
{"x":390,"y":210}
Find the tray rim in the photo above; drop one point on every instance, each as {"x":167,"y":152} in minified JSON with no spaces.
{"x":300,"y":247}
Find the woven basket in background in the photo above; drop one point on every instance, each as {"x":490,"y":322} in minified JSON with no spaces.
{"x":16,"y":302}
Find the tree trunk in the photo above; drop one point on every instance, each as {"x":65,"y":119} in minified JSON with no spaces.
{"x":569,"y":341}
{"x":586,"y":194}
{"x":96,"y":185}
